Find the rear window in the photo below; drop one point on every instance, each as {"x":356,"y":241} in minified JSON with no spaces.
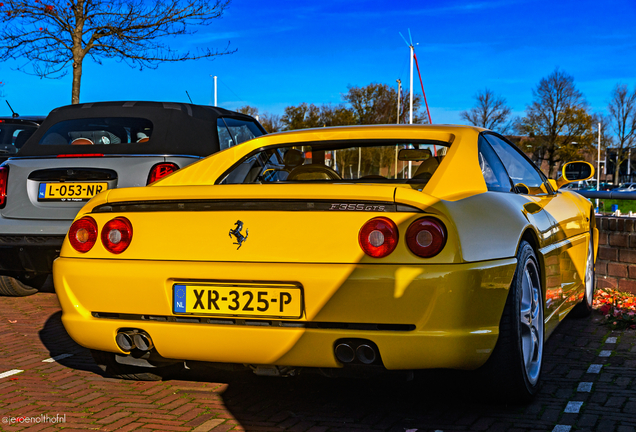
{"x":342,"y":161}
{"x":99,"y":131}
{"x":233,"y":131}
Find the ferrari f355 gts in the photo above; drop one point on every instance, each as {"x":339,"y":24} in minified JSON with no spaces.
{"x":377,"y":247}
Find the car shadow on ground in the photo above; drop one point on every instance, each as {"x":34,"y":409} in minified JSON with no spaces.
{"x":55,"y":338}
{"x":392,"y":401}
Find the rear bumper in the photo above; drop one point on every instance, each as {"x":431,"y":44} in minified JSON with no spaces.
{"x":437,"y":316}
{"x":21,"y":254}
{"x":30,"y":245}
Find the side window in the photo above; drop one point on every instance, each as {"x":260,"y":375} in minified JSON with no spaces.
{"x":264,"y":166}
{"x":493,"y":170}
{"x":519,"y":168}
{"x":233,"y":131}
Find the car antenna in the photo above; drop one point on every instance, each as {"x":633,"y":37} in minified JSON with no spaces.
{"x":189,"y":97}
{"x":15,"y":114}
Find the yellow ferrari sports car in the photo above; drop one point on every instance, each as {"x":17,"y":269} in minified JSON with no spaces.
{"x":370,"y":247}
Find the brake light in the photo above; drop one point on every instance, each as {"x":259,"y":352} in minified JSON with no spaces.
{"x":161,"y":170}
{"x":80,"y":155}
{"x":4,"y":177}
{"x":378,"y":237}
{"x":117,"y":235}
{"x":426,"y":237}
{"x":83,"y":234}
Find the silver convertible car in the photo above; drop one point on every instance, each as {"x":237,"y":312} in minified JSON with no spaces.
{"x":81,"y":150}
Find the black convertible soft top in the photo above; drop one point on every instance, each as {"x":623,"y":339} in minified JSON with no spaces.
{"x":178,"y":128}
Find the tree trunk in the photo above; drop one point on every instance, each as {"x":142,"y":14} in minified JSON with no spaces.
{"x":551,"y":160}
{"x":77,"y":81}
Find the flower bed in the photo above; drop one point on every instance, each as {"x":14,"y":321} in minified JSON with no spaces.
{"x":618,"y":307}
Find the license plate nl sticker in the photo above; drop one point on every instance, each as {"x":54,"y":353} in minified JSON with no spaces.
{"x":278,"y":301}
{"x":69,"y":191}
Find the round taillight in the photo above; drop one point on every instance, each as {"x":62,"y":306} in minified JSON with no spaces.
{"x":378,"y":237}
{"x":83,"y":234}
{"x":426,"y":237}
{"x":117,"y":235}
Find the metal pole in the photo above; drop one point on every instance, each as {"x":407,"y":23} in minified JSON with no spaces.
{"x":629,"y":164}
{"x":399,"y":81}
{"x":411,"y":110}
{"x":399,"y":96}
{"x":598,"y":162}
{"x":215,"y":90}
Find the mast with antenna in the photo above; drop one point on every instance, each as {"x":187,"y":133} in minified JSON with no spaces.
{"x":412,"y":48}
{"x":414,"y":58}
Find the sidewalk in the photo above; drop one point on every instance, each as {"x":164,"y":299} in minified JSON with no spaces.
{"x":589,"y":383}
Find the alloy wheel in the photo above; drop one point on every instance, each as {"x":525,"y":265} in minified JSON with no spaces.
{"x":531,"y":320}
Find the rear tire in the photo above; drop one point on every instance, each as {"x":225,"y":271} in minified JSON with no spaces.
{"x":107,"y":363}
{"x":12,"y":287}
{"x":584,"y":308}
{"x":513,"y":371}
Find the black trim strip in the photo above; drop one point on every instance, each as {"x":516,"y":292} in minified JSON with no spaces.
{"x":31,"y":240}
{"x":73,"y":174}
{"x":258,"y":323}
{"x":250,"y":205}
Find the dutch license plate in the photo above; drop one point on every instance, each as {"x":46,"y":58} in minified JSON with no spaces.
{"x":280,"y":301}
{"x":69,"y":191}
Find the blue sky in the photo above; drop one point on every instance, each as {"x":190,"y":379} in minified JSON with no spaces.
{"x":294,"y":51}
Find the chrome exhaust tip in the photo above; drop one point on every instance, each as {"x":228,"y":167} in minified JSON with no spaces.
{"x":365,"y":354}
{"x":345,"y":353}
{"x":143,"y":341}
{"x":124,"y":341}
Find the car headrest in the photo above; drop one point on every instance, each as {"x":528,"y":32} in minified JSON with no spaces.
{"x":23,"y":135}
{"x":98,"y":136}
{"x":293,"y":158}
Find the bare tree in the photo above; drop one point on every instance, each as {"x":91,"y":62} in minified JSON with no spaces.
{"x":249,"y":110}
{"x":556,"y":120}
{"x":622,"y":116}
{"x":377,"y":104}
{"x":490,"y":112}
{"x":271,"y":122}
{"x":53,"y":35}
{"x":301,"y":117}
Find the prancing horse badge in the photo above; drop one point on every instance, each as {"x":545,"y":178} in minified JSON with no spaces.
{"x":236,"y":232}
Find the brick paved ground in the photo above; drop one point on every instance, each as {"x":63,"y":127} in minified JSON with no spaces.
{"x":580,"y":355}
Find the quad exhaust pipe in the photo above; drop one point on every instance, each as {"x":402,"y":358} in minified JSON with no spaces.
{"x":127,"y":340}
{"x":364,"y":352}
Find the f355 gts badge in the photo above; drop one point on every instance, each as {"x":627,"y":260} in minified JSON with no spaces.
{"x":236,"y":232}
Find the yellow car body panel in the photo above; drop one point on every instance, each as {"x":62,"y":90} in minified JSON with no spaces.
{"x":453,"y":310}
{"x":435,"y":312}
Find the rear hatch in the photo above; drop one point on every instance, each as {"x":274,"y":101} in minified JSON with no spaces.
{"x":293,"y":223}
{"x":56,"y":188}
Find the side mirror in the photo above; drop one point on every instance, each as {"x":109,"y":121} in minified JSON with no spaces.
{"x":575,"y":171}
